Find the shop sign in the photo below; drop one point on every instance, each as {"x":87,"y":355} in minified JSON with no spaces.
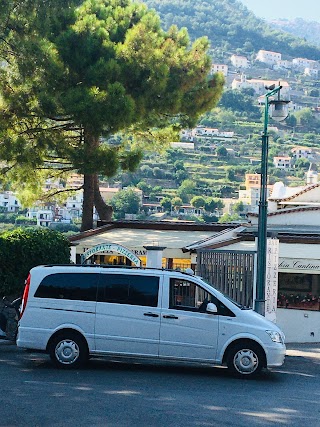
{"x":271,"y":290}
{"x":292,"y":264}
{"x":111,"y":247}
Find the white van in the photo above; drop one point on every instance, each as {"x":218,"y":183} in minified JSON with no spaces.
{"x":74,"y":312}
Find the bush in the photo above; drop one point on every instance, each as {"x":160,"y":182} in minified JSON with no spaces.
{"x":23,"y":249}
{"x":64,"y":227}
{"x":23,"y":220}
{"x":8,"y":218}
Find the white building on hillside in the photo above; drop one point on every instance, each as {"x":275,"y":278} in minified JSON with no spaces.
{"x":283,"y":64}
{"x":239,"y":61}
{"x":282,"y":162}
{"x":219,"y":68}
{"x":268,"y":57}
{"x":311,"y":72}
{"x":259,"y":86}
{"x":305,"y":63}
{"x":302,"y":152}
{"x":9,"y":202}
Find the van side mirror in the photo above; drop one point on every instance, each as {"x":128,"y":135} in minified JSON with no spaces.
{"x":212,"y":308}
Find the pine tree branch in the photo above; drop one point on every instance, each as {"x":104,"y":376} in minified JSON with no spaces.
{"x":54,"y":193}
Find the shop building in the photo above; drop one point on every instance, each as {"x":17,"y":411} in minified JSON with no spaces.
{"x":136,"y":235}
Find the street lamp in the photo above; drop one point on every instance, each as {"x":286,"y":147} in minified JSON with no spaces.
{"x":278,"y":111}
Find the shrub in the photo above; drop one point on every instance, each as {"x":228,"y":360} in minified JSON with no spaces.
{"x":23,"y":220}
{"x":23,"y":249}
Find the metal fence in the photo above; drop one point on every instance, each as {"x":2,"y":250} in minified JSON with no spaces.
{"x":231,"y":272}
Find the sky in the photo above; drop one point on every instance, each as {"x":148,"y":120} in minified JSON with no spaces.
{"x":288,"y":9}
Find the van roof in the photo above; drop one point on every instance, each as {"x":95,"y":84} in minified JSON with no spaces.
{"x":189,"y":271}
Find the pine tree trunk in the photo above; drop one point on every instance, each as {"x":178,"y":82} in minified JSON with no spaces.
{"x":104,"y":210}
{"x":88,"y":202}
{"x":91,"y":143}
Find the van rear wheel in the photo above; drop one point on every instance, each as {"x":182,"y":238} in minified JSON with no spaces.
{"x":245,"y":359}
{"x":68,"y":350}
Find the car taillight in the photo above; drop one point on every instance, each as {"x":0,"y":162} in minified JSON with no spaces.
{"x":25,"y":295}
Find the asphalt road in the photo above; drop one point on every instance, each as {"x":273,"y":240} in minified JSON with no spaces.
{"x":33,"y":393}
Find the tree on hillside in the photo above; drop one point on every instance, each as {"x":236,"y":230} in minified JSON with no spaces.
{"x":125,"y":202}
{"x":186,"y":189}
{"x":166,"y":203}
{"x":77,"y":71}
{"x":176,"y":203}
{"x":222,"y":152}
{"x":212,"y":205}
{"x":306,"y":118}
{"x":198,"y":201}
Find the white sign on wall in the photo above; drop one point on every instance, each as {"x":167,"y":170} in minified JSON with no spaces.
{"x":271,"y":289}
{"x":111,"y":247}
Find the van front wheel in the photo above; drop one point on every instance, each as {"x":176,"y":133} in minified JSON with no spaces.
{"x":245,"y":359}
{"x":68,"y":350}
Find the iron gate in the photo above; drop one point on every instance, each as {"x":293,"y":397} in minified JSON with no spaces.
{"x":231,"y":272}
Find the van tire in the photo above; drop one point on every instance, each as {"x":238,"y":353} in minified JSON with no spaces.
{"x":68,"y":350}
{"x":245,"y":359}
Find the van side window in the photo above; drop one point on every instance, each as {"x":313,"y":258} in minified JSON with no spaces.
{"x":125,"y":289}
{"x":72,"y":286}
{"x":185,"y":295}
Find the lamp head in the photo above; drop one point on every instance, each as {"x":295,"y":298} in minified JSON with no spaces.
{"x":270,"y":87}
{"x":278,"y":110}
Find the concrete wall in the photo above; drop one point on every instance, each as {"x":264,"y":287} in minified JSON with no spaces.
{"x":299,"y":326}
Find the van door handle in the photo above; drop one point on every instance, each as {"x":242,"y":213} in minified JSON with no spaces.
{"x":151,"y":314}
{"x":170,"y":316}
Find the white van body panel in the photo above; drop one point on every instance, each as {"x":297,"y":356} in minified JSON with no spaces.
{"x":125,"y":329}
{"x":157,"y":332}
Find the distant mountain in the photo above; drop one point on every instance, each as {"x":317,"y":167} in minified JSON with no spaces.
{"x":230,"y":27}
{"x":309,"y":30}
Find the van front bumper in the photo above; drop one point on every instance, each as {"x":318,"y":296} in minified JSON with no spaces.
{"x":276,"y":355}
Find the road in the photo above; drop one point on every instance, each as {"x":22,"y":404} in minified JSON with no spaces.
{"x":33,"y":393}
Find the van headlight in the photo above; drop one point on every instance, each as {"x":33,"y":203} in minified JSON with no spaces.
{"x":275,"y":336}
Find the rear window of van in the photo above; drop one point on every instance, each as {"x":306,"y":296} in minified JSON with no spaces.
{"x":71,"y":286}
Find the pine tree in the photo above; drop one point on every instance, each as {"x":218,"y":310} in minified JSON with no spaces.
{"x":77,"y":72}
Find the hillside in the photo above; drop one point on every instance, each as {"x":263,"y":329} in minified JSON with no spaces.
{"x":230,"y":26}
{"x":299,"y":28}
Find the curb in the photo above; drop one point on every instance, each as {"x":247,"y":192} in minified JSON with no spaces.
{"x":310,"y":350}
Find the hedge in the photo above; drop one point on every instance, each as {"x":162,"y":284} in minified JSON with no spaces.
{"x":24,"y":248}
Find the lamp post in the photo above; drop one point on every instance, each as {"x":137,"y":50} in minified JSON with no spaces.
{"x":278,"y":111}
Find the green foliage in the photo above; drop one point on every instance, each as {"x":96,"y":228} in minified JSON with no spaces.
{"x":144,"y":187}
{"x":166,"y":203}
{"x":302,"y":164}
{"x":125,"y":201}
{"x":226,"y":218}
{"x":212,"y":205}
{"x":65,"y":228}
{"x":209,"y":218}
{"x":198,"y":202}
{"x":176,"y":203}
{"x":238,"y":206}
{"x":181,"y":175}
{"x":23,"y":220}
{"x":241,"y":101}
{"x":309,"y":30}
{"x":107,"y":67}
{"x":8,"y":218}
{"x":22,"y":249}
{"x":186,"y":190}
{"x":222,"y":152}
{"x":230,"y":26}
{"x":306,"y":118}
